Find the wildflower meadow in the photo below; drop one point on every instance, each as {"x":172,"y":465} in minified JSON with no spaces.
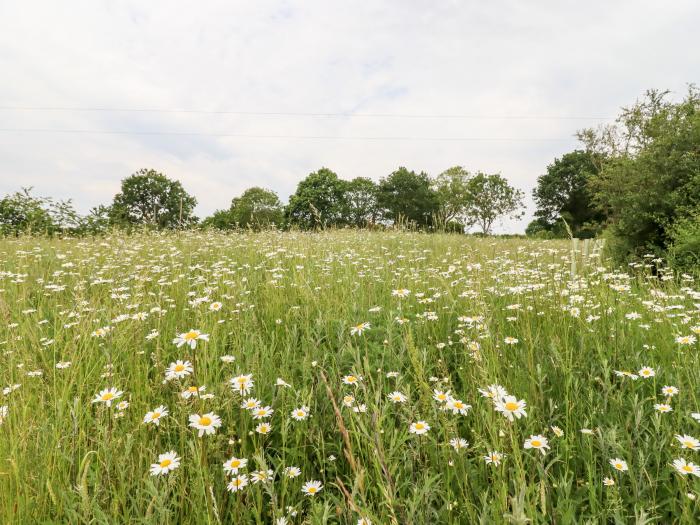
{"x":345,"y":377}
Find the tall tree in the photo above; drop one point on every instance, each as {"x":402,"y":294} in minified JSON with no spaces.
{"x":452,"y":193}
{"x":407,"y":196}
{"x":150,"y":198}
{"x":361,"y":202}
{"x":319,"y":201}
{"x":650,"y":171}
{"x":257,"y":207}
{"x":563,"y":193}
{"x":492,"y":198}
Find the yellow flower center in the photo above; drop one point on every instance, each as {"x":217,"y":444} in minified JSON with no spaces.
{"x":511,"y":406}
{"x":235,"y":463}
{"x":535,"y":443}
{"x":107,"y":396}
{"x":179,"y":368}
{"x":189,"y":336}
{"x":312,"y":490}
{"x":420,"y":426}
{"x":352,"y":379}
{"x":192,"y":389}
{"x":155,"y":415}
{"x":205,"y":421}
{"x":687,"y":468}
{"x":688,"y":444}
{"x":618,"y":466}
{"x":165,"y":463}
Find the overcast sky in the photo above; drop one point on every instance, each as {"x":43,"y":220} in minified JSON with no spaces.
{"x":396,"y":77}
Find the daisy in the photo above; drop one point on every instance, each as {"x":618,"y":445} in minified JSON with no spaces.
{"x":358,"y":329}
{"x":695,"y":416}
{"x":107,"y":395}
{"x":688,"y":442}
{"x":397,"y":397}
{"x":401,"y":293}
{"x":263,"y":428}
{"x":232,"y":465}
{"x":364,"y":521}
{"x":292,"y":472}
{"x":684,"y":468}
{"x":685,"y":339}
{"x":493,"y":392}
{"x":458,"y":443}
{"x":242,"y":384}
{"x":510,"y":341}
{"x":537,"y":442}
{"x":348,"y":401}
{"x":192,"y":391}
{"x":250,"y":403}
{"x":237,"y":483}
{"x":419,"y":428}
{"x":166,"y":463}
{"x":301,"y":413}
{"x":190,"y":338}
{"x":261,"y":476}
{"x":178,"y":369}
{"x":4,"y":410}
{"x":457,"y":407}
{"x":509,"y":406}
{"x":619,"y":464}
{"x":227,"y":358}
{"x":557,"y":431}
{"x":646,"y":372}
{"x":608,"y":482}
{"x":261,"y":412}
{"x":351,"y":380}
{"x":669,"y":391}
{"x":206,"y":424}
{"x":663,"y":407}
{"x":493,"y":458}
{"x":215,"y":306}
{"x":311,"y":488}
{"x":440,"y":396}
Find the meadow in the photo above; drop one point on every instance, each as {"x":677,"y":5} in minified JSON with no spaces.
{"x":344,"y":377}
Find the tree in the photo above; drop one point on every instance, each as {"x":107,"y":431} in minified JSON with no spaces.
{"x":563,"y":193}
{"x":257,"y":207}
{"x":318,"y":202}
{"x":452,"y":194}
{"x":407,"y":196}
{"x":150,"y":198}
{"x":492,"y":198}
{"x":21,"y":212}
{"x":649,"y":175}
{"x":361,"y":202}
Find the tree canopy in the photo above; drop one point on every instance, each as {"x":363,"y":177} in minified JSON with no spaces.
{"x":319,"y":201}
{"x":407,"y":196}
{"x":150,"y":198}
{"x":491,"y":198}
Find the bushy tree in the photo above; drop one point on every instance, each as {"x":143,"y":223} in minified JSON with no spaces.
{"x":150,"y":198}
{"x":361,"y":202}
{"x":491,"y":198}
{"x":563,"y":194}
{"x":649,"y":174}
{"x":22,"y":212}
{"x":319,"y":201}
{"x":257,"y":208}
{"x":451,"y":188}
{"x":407,"y":196}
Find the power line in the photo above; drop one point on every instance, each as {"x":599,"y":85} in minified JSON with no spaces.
{"x":303,"y":114}
{"x":286,"y":137}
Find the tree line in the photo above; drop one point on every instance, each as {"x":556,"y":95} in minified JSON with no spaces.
{"x":455,"y":200}
{"x":635,"y":182}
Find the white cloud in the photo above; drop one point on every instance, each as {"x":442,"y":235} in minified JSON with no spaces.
{"x":450,"y":58}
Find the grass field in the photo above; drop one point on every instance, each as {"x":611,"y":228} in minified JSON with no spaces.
{"x":380,"y":365}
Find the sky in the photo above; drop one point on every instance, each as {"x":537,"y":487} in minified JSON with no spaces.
{"x":224,"y":95}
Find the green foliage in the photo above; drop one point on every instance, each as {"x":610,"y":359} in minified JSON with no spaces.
{"x":563,"y":192}
{"x":219,"y":220}
{"x":490,"y":199}
{"x":150,"y":198}
{"x":319,"y":201}
{"x":649,"y":174}
{"x":22,"y":212}
{"x":684,"y":244}
{"x":361,"y":202}
{"x":257,"y":208}
{"x":407,"y":197}
{"x":452,"y":190}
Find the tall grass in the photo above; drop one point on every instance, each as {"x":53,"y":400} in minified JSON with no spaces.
{"x":289,"y":304}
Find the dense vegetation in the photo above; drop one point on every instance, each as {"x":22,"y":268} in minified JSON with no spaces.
{"x":334,"y":377}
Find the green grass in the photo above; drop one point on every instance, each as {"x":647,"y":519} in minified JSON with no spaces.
{"x":289,"y":303}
